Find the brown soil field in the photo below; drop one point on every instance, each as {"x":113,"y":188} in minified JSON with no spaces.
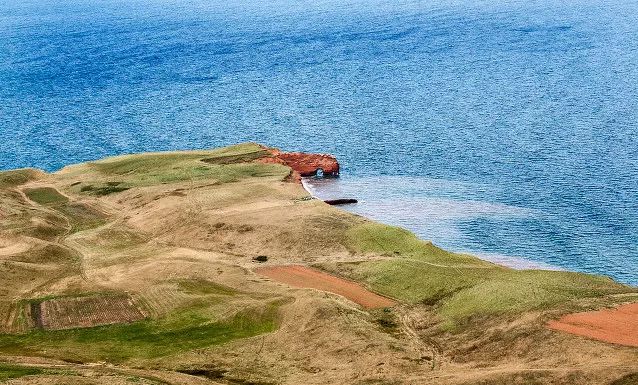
{"x":301,"y":276}
{"x":65,"y":313}
{"x":617,"y":326}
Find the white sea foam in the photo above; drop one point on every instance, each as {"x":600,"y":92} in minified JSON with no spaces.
{"x":514,"y":262}
{"x":433,"y":209}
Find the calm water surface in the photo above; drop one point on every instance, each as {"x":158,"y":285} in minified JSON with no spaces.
{"x":504,"y":128}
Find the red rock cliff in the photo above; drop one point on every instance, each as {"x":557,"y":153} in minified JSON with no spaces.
{"x":309,"y":164}
{"x":304,"y":164}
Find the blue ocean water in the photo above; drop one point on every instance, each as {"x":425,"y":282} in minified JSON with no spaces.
{"x":500,"y":127}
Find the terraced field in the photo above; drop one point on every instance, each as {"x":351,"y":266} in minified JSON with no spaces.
{"x":86,"y":311}
{"x":163,"y":300}
{"x":17,"y":317}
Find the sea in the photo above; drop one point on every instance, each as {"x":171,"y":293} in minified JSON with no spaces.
{"x":503,"y":128}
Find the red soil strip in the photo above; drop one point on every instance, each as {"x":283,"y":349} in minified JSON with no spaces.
{"x":616,"y":326}
{"x":301,"y":276}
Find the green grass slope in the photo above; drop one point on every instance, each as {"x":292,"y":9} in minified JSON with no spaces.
{"x":9,"y":371}
{"x":224,"y":165}
{"x":460,"y":286}
{"x":181,"y":331}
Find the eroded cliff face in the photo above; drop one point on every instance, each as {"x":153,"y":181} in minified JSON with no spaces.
{"x":310,"y":164}
{"x":304,"y":164}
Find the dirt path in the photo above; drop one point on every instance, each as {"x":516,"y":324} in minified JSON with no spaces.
{"x":301,"y":276}
{"x":617,"y":326}
{"x":426,"y":347}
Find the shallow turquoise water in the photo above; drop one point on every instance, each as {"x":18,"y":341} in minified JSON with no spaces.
{"x":514,"y":123}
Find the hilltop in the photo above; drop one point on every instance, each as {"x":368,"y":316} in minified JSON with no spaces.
{"x":187,"y":267}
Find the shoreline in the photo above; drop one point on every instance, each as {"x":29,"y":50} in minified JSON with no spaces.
{"x":513,"y":262}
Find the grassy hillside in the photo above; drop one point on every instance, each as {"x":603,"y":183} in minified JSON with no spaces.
{"x":142,"y":269}
{"x":230,"y":164}
{"x":460,"y":286}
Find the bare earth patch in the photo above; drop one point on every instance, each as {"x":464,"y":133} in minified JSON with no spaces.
{"x":301,"y":276}
{"x":616,"y":326}
{"x":66,"y":313}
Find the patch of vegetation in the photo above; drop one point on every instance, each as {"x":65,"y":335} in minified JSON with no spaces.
{"x":208,"y":372}
{"x":193,"y":171}
{"x":224,"y":165}
{"x":140,"y":164}
{"x":519,"y":291}
{"x":460,"y":286}
{"x":9,"y":371}
{"x":202,"y":286}
{"x":460,"y":293}
{"x":413,"y":281}
{"x":105,"y":189}
{"x":13,"y":178}
{"x":47,"y":233}
{"x":630,"y":379}
{"x":371,"y":237}
{"x":386,"y":319}
{"x":239,"y":158}
{"x":178,"y":332}
{"x":81,"y":216}
{"x":526,"y":378}
{"x":49,"y":254}
{"x":45,"y":195}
